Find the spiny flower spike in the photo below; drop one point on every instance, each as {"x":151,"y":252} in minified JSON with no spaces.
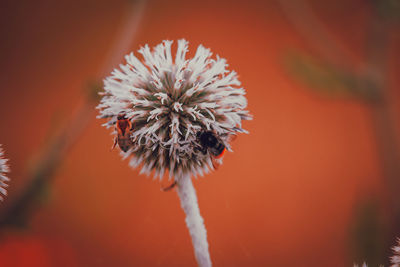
{"x":169,"y":101}
{"x":4,"y":169}
{"x":395,"y":259}
{"x":175,"y":115}
{"x":364,"y":265}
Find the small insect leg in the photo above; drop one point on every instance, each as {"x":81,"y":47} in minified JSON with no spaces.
{"x":215,"y":162}
{"x":165,"y":189}
{"x":115,"y":143}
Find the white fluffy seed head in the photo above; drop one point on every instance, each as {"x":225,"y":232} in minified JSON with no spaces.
{"x":4,"y":169}
{"x":169,"y":100}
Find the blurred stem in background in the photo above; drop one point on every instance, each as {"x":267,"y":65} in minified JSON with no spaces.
{"x":41,"y":173}
{"x":333,"y":74}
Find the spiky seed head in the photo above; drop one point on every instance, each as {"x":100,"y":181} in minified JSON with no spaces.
{"x":395,"y":259}
{"x":169,"y":100}
{"x":4,"y":169}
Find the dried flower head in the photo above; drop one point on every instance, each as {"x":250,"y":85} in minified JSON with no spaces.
{"x":3,"y":178}
{"x":169,"y":101}
{"x":395,"y":259}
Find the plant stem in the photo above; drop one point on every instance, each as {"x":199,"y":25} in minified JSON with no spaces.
{"x":194,"y":221}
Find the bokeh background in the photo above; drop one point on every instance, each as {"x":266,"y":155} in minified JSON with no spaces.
{"x":315,"y":183}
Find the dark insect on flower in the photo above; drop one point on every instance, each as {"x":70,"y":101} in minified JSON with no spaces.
{"x":123,"y":128}
{"x":210,"y":142}
{"x":165,"y":189}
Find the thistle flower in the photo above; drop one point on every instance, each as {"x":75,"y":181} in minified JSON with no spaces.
{"x":169,"y":102}
{"x":395,"y":259}
{"x":3,"y":178}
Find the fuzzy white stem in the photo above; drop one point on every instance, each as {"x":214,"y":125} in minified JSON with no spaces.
{"x":194,"y":221}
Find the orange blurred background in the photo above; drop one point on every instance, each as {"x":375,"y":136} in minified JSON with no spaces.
{"x":286,"y":196}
